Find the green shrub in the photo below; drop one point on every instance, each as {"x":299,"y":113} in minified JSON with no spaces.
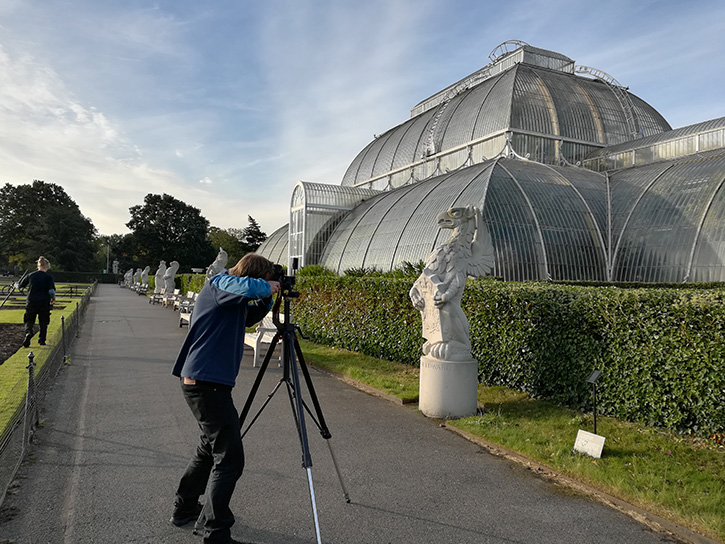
{"x":661,"y":350}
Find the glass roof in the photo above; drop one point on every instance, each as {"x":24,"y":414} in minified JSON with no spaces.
{"x":525,"y":99}
{"x":535,"y":213}
{"x":275,"y":246}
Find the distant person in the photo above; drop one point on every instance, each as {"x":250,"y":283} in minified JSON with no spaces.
{"x":207,"y":365}
{"x":41,"y":297}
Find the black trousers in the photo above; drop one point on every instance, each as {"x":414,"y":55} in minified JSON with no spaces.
{"x":218,"y":461}
{"x":42,"y":312}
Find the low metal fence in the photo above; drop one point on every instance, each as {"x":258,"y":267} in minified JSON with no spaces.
{"x":23,"y":402}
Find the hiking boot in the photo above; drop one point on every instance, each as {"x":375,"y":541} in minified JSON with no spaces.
{"x":183,"y":515}
{"x":26,"y":342}
{"x":41,"y":342}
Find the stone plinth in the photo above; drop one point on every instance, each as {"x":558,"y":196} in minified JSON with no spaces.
{"x":448,"y":389}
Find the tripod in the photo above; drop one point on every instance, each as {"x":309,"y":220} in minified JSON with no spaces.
{"x":291,"y":355}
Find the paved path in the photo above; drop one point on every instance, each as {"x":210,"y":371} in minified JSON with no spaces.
{"x":118,"y":434}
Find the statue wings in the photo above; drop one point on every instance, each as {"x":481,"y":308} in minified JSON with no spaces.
{"x":482,"y":254}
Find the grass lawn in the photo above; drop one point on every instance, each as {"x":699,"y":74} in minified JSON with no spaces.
{"x":679,"y":478}
{"x":14,"y":372}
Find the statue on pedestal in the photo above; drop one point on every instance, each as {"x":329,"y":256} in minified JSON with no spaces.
{"x":169,"y":277}
{"x":128,"y":278}
{"x":219,"y":264}
{"x":159,"y":277}
{"x":145,"y":276}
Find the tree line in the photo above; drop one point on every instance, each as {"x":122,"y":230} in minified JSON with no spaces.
{"x":42,"y":219}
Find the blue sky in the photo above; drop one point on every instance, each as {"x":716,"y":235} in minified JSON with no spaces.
{"x":227,"y":104}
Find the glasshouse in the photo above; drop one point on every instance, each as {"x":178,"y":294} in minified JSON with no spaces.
{"x":578,"y":179}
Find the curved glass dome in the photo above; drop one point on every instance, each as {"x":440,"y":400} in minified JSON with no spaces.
{"x":668,"y":220}
{"x":275,"y":247}
{"x":545,"y":222}
{"x":550,"y":116}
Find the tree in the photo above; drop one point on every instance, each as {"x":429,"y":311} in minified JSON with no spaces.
{"x":41,"y":219}
{"x":252,"y":236}
{"x":164,"y":228}
{"x":227,"y":240}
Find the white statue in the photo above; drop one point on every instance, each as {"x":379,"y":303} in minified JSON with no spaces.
{"x":145,"y":276}
{"x":219,"y":264}
{"x":128,"y":277}
{"x":137,"y":276}
{"x":159,"y":277}
{"x":438,"y":291}
{"x":448,"y":373}
{"x":169,"y":277}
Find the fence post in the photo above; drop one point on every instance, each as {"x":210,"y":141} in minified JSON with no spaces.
{"x":62,"y":334}
{"x":31,"y":406}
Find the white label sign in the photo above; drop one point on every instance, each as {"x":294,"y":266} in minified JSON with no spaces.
{"x":589,"y":444}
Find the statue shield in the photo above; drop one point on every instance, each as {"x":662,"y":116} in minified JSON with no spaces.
{"x":431,"y":316}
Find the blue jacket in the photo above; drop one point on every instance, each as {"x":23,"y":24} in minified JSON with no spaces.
{"x":214,"y":345}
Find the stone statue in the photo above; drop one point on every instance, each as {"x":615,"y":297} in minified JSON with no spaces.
{"x":218,"y":265}
{"x":449,"y":374}
{"x":145,"y":276}
{"x":169,"y":277}
{"x":159,"y":277}
{"x":128,"y":278}
{"x":438,"y":291}
{"x":137,"y":276}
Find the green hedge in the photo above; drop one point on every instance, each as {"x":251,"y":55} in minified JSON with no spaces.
{"x":369,"y":315}
{"x":184,"y":282}
{"x":661,"y":350}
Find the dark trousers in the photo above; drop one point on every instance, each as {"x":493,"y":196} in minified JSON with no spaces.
{"x":218,"y":461}
{"x":42,"y":312}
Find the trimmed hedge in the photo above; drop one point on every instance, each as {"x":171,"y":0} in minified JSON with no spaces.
{"x":661,"y":350}
{"x":184,"y":282}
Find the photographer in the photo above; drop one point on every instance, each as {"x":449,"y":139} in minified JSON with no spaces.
{"x":208,"y":364}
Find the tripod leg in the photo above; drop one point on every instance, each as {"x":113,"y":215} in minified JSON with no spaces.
{"x":320,"y":417}
{"x":337,"y":469}
{"x":314,"y":505}
{"x":298,"y":409}
{"x":295,"y":396}
{"x":258,"y":380}
{"x":261,"y":408}
{"x":315,"y":402}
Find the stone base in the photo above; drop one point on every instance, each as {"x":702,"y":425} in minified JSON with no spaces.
{"x":448,"y":389}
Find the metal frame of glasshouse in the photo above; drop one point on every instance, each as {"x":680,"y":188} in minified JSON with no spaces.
{"x":578,"y":179}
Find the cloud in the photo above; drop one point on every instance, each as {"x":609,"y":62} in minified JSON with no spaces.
{"x":226,"y":108}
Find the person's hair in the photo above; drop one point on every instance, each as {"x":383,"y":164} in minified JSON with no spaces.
{"x":252,"y":266}
{"x":42,"y":261}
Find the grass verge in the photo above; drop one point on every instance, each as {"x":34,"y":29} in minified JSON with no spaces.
{"x":14,"y":371}
{"x":679,"y":478}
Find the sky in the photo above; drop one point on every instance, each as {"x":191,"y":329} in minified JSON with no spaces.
{"x":226,"y":104}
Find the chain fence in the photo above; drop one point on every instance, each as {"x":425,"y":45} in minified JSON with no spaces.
{"x":20,"y":407}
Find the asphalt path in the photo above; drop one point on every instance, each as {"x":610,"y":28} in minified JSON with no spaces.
{"x":117,"y":435}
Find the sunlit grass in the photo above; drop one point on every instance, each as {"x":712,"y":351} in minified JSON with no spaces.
{"x":14,"y":371}
{"x":393,"y":378}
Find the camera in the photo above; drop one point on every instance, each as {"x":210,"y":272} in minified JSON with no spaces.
{"x":286,"y":283}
